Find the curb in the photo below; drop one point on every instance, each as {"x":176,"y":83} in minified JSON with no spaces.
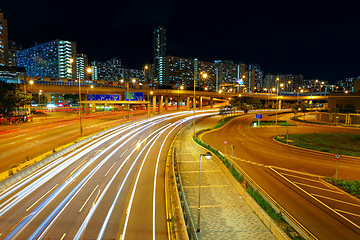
{"x":262,"y":215}
{"x":311,"y":150}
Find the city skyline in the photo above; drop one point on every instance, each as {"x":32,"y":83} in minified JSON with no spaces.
{"x":315,"y":40}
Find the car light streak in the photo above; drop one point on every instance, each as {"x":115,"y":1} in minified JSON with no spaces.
{"x":31,"y":177}
{"x":94,"y":207}
{"x":132,"y":195}
{"x":27,"y":220}
{"x":38,"y":178}
{"x":175,"y":125}
{"x":51,"y":173}
{"x":61,"y":207}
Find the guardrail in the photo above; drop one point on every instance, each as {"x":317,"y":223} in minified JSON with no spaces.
{"x":287,"y":217}
{"x":190,"y":227}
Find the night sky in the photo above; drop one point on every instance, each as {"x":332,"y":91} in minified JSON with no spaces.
{"x":318,"y":39}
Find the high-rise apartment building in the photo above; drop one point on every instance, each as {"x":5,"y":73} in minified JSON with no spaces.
{"x":159,"y":56}
{"x":109,"y":70}
{"x":13,"y":49}
{"x":51,"y":59}
{"x":189,"y":71}
{"x":255,"y":77}
{"x":4,"y":41}
{"x":82,"y":63}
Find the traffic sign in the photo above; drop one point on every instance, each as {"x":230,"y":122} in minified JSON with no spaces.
{"x":337,"y":156}
{"x":134,"y":96}
{"x":258,"y":116}
{"x":103,"y":97}
{"x":225,"y":142}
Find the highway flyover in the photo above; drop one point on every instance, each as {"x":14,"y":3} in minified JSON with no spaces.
{"x":109,"y":188}
{"x":292,"y":176}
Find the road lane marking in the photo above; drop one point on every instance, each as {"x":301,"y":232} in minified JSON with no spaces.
{"x":308,"y":179}
{"x":155,"y":178}
{"x":124,"y":152}
{"x":63,"y":236}
{"x":97,"y":196}
{"x":72,"y":172}
{"x":336,"y":200}
{"x":110,"y":169}
{"x":338,"y":192}
{"x":313,"y":197}
{"x":20,"y":221}
{"x":88,"y":198}
{"x":128,"y":209}
{"x":207,"y":186}
{"x":208,"y":171}
{"x":42,"y":197}
{"x":353,"y":214}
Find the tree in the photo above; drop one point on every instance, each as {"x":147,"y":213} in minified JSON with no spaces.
{"x":11,"y":97}
{"x":295,"y":107}
{"x":245,"y":103}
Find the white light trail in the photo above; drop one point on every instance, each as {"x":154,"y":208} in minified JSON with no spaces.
{"x":94,"y":207}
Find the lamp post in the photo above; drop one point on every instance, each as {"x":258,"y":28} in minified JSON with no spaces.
{"x":87,"y":90}
{"x":207,"y":156}
{"x":181,"y":87}
{"x":88,"y":70}
{"x":127,"y":97}
{"x":277,"y":99}
{"x":204,"y":75}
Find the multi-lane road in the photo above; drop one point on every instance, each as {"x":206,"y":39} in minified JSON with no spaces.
{"x":292,"y":176}
{"x":112,"y":187}
{"x":19,"y":143}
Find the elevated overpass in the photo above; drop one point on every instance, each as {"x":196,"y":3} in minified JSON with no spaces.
{"x":164,"y":95}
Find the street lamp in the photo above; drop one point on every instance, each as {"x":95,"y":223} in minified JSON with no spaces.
{"x":127,"y":97}
{"x":277,"y":99}
{"x":88,"y":70}
{"x":207,"y":156}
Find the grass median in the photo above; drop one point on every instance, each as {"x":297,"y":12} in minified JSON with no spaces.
{"x":336,"y":143}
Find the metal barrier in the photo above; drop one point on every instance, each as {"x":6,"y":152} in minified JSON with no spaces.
{"x":288,"y":217}
{"x":184,"y":204}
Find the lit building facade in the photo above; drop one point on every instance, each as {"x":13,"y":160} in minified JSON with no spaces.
{"x":160,"y":56}
{"x":289,"y":82}
{"x":4,"y":41}
{"x":13,"y":49}
{"x":226,"y":72}
{"x":82,"y":63}
{"x":51,"y":59}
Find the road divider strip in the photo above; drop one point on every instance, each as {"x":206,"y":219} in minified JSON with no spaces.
{"x":317,"y":200}
{"x":260,"y":212}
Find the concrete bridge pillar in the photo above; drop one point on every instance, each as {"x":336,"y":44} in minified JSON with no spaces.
{"x":166,"y":103}
{"x":211,"y":102}
{"x":154,"y":104}
{"x":188,"y":103}
{"x":161,"y":104}
{"x":200,"y":103}
{"x":280,"y":103}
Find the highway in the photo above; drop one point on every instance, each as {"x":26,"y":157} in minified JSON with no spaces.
{"x":112,"y":187}
{"x":19,"y":143}
{"x":292,"y":176}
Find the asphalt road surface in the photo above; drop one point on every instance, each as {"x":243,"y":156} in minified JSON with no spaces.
{"x":292,"y":176}
{"x":19,"y":143}
{"x":110,"y":188}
